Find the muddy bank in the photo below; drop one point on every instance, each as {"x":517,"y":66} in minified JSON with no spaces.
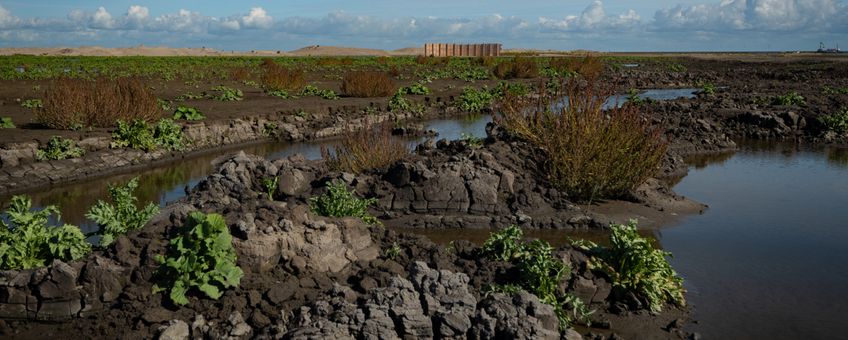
{"x":308,"y":277}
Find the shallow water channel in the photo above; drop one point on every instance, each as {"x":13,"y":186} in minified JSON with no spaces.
{"x":768,"y":259}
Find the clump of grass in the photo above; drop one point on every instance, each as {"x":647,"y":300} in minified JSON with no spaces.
{"x":519,"y":67}
{"x":59,"y":148}
{"x":278,"y":78}
{"x":836,"y":122}
{"x":633,"y":265}
{"x":339,"y":202}
{"x":366,"y":149}
{"x":74,"y":103}
{"x":368,"y":84}
{"x":589,"y":152}
{"x":539,"y":272}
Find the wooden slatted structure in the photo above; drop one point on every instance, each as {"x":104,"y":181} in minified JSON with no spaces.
{"x":462,"y":50}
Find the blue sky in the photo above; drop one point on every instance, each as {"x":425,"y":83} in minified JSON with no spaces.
{"x":611,"y":25}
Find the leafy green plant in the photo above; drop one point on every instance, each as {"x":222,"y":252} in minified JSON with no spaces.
{"x":393,"y":252}
{"x":140,"y":135}
{"x":473,"y":100}
{"x":227,"y":94}
{"x":188,"y":113}
{"x":32,"y":104}
{"x":202,"y":257}
{"x":791,"y":98}
{"x":122,"y":216}
{"x":473,"y":142}
{"x":400,"y":104}
{"x":280,"y":94}
{"x":677,"y":68}
{"x":837,"y":122}
{"x":540,"y":272}
{"x":338,"y":202}
{"x":312,"y":90}
{"x":507,"y":88}
{"x":59,"y":148}
{"x":164,"y":104}
{"x":270,"y":185}
{"x":634,"y":98}
{"x":189,"y":95}
{"x":708,"y":88}
{"x":827,"y":90}
{"x":6,"y":123}
{"x":28,"y":242}
{"x":417,"y":88}
{"x":633,"y":265}
{"x":270,"y":129}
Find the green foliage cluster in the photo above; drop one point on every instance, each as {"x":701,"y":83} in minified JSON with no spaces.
{"x":202,"y":257}
{"x":837,"y":122}
{"x":708,"y":88}
{"x":510,"y":88}
{"x":32,"y":104}
{"x":539,"y":272}
{"x":677,"y":68}
{"x":59,"y":148}
{"x":474,"y":100}
{"x":188,"y":113}
{"x":6,"y":123}
{"x":633,"y":98}
{"x":791,"y":98}
{"x":633,"y":265}
{"x":827,"y":90}
{"x":226,"y":94}
{"x":270,"y":185}
{"x":122,"y":216}
{"x":28,"y":242}
{"x":338,"y":202}
{"x":140,"y":135}
{"x":473,"y":142}
{"x":398,"y":103}
{"x":417,"y":89}
{"x":312,"y":90}
{"x":189,"y":95}
{"x":393,"y":252}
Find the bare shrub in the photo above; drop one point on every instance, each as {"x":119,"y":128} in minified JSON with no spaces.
{"x":368,"y":84}
{"x":278,"y":78}
{"x":77,"y":103}
{"x":366,"y":149}
{"x":240,"y":74}
{"x":518,"y":67}
{"x":589,"y":152}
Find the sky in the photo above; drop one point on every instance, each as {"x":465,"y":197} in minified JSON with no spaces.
{"x":610,"y":25}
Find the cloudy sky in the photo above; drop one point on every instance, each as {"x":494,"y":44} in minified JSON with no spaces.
{"x":610,"y":25}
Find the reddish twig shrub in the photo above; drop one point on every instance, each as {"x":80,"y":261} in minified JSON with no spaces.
{"x":589,"y":152}
{"x":368,"y":84}
{"x":366,"y":149}
{"x":77,"y":103}
{"x":518,"y":67}
{"x":278,"y":78}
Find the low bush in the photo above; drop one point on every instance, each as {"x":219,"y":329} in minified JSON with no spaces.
{"x":28,"y":242}
{"x":519,"y":67}
{"x":633,"y":265}
{"x":141,"y":135}
{"x":75,"y":103}
{"x":122,"y":216}
{"x":588,"y":152}
{"x":473,"y":100}
{"x":278,"y":78}
{"x":188,"y":113}
{"x":59,"y":148}
{"x":368,"y":84}
{"x":338,"y":202}
{"x":837,"y":122}
{"x":366,"y":149}
{"x":540,"y":272}
{"x":240,"y":74}
{"x":201,"y":256}
{"x":6,"y":123}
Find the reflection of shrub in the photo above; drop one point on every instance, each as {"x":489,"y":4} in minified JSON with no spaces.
{"x":74,"y":103}
{"x":633,"y":265}
{"x":589,"y":153}
{"x":366,"y":149}
{"x":59,"y":148}
{"x":368,"y":84}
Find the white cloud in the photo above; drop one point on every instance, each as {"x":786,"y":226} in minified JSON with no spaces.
{"x":594,"y":18}
{"x":102,"y":19}
{"x":257,"y":18}
{"x":7,"y":19}
{"x":137,"y":13}
{"x":755,"y":15}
